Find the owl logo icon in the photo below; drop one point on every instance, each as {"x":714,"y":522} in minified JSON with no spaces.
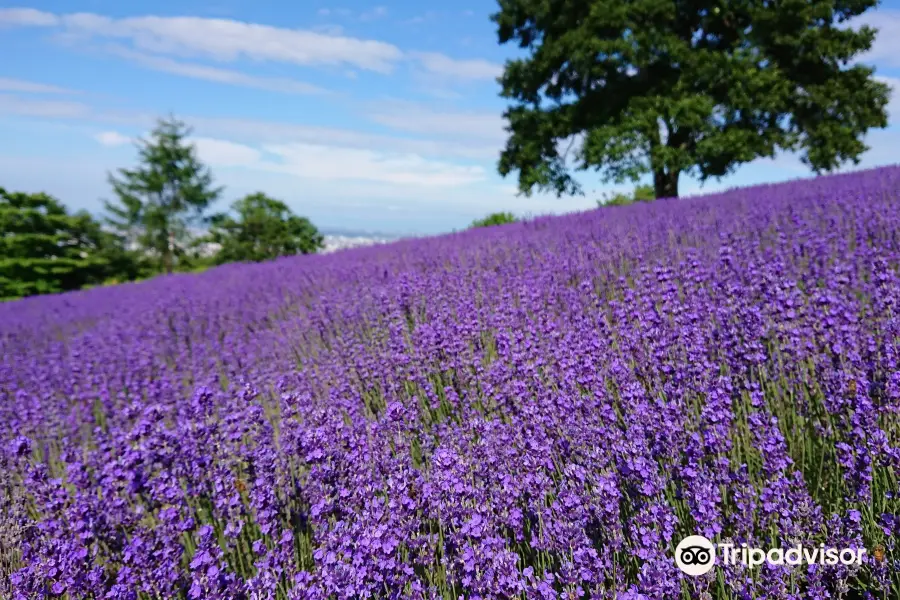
{"x":695,"y":555}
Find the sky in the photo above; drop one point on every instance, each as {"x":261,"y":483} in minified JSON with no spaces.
{"x":378,"y":116}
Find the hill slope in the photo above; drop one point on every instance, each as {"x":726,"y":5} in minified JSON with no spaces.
{"x":539,"y":410}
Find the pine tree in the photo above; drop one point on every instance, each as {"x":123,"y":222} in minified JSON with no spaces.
{"x":159,"y":201}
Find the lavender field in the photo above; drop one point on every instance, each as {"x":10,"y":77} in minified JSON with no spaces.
{"x":541,"y":410}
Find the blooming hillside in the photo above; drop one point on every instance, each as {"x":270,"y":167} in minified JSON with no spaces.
{"x":539,"y":410}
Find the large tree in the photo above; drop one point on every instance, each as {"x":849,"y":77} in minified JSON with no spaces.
{"x":262,"y":228}
{"x":44,"y":248}
{"x":665,"y":87}
{"x":159,"y":202}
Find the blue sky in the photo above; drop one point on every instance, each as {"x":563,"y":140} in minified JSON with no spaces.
{"x":360,"y":115}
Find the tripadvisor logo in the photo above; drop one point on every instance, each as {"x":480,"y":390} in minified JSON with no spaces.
{"x":695,"y":555}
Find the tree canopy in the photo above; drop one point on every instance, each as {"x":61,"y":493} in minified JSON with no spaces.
{"x":671,"y":87}
{"x":641,"y":193}
{"x":45,"y":249}
{"x":497,"y":218}
{"x":262,"y":228}
{"x":160,"y":200}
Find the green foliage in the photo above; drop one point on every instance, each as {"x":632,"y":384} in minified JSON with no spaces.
{"x":263,"y":228}
{"x":45,"y":249}
{"x":670,"y":87}
{"x":159,"y":201}
{"x":497,"y":218}
{"x":642,"y":193}
{"x":195,"y":263}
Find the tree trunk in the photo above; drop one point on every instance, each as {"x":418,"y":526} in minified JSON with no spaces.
{"x":168,"y":254}
{"x":665,"y":183}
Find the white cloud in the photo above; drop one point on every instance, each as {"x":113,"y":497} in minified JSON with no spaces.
{"x":429,"y":16}
{"x":329,"y":29}
{"x":893,"y":107}
{"x":228,"y":40}
{"x":886,"y":48}
{"x":255,"y":131}
{"x":273,"y":132}
{"x":316,"y":161}
{"x":112,"y":138}
{"x":27,"y":17}
{"x":440,"y":64}
{"x":376,"y":13}
{"x":883,"y":145}
{"x":31,"y":87}
{"x":219,"y":39}
{"x":222,"y":153}
{"x":414,"y":118}
{"x":30,"y":107}
{"x":336,"y":163}
{"x":218,"y":75}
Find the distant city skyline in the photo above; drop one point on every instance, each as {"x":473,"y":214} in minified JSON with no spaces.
{"x":362,"y":116}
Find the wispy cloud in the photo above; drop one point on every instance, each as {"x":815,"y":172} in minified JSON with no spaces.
{"x":223,"y":153}
{"x":326,"y":162}
{"x":893,"y":107}
{"x":215,"y":74}
{"x":886,"y":48}
{"x":219,"y":39}
{"x":376,"y":13}
{"x":317,"y":161}
{"x":227,"y":40}
{"x":329,"y":29}
{"x":419,"y":119}
{"x":261,"y":132}
{"x":426,"y":17}
{"x":440,"y":64}
{"x":339,"y":12}
{"x":112,"y":138}
{"x":25,"y":17}
{"x":31,"y":107}
{"x":280,"y":133}
{"x":31,"y":87}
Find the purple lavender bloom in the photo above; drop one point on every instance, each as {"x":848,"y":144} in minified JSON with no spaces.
{"x":540,"y":410}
